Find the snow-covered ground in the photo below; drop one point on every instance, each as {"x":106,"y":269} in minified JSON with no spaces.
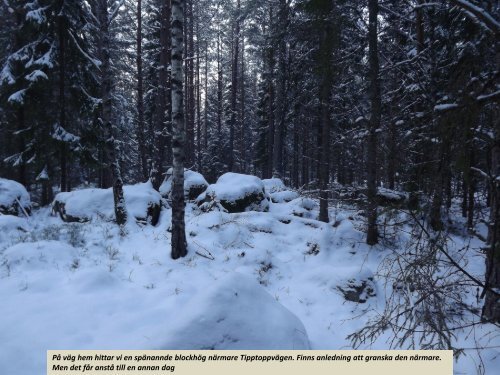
{"x":252,"y":280}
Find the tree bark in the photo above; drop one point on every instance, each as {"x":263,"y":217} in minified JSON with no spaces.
{"x":325,"y":67}
{"x":198,"y":93}
{"x":234,"y":86}
{"x":163,"y":118}
{"x":374,"y":123}
{"x":281,"y":97}
{"x":63,"y":148}
{"x":219,"y":85}
{"x":104,"y":46}
{"x":205,"y":109}
{"x":189,"y":79}
{"x":491,"y":308}
{"x":140,"y":97}
{"x":179,"y":245}
{"x":419,"y":27}
{"x":243,"y":129}
{"x":270,"y":104}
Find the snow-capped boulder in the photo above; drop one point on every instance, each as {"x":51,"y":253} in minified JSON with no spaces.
{"x":236,"y":313}
{"x":278,"y":192}
{"x":273,"y":185}
{"x":304,"y":207}
{"x":194,"y":185}
{"x":142,"y":201}
{"x":388,"y":197}
{"x":14,"y":198}
{"x":284,"y":196}
{"x":235,"y":192}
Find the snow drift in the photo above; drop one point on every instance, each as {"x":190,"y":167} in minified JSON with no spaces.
{"x":237,"y":313}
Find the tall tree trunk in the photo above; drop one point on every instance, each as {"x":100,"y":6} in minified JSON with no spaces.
{"x":392,"y":155}
{"x":465,"y":193}
{"x":471,"y":190}
{"x":243,"y":130}
{"x":163,"y":119}
{"x":140,"y":97}
{"x":419,"y":27}
{"x":198,"y":93}
{"x":270,"y":103}
{"x":491,"y":308}
{"x":325,"y":67}
{"x":374,"y":123}
{"x":205,"y":109}
{"x":179,"y":245}
{"x":104,"y":46}
{"x":63,"y":148}
{"x":189,"y":80}
{"x":305,"y":157}
{"x":281,"y":97}
{"x":234,"y":86}
{"x":219,"y":86}
{"x":21,"y":170}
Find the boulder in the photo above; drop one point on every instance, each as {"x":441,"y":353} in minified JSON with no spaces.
{"x":235,"y":192}
{"x":14,"y":198}
{"x":273,"y":185}
{"x":194,"y":185}
{"x":284,"y":196}
{"x":142,"y":202}
{"x":391,"y":198}
{"x":304,"y":207}
{"x":277,"y":191}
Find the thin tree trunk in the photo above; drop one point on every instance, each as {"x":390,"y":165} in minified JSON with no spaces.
{"x":305,"y":158}
{"x":205,"y":115}
{"x":63,"y":151}
{"x":419,"y":27}
{"x":219,"y":87}
{"x":163,"y":122}
{"x":179,"y":245}
{"x":140,"y":97}
{"x":198,"y":94}
{"x":243,"y":140}
{"x":270,"y":107}
{"x":192,"y":97}
{"x":471,"y":190}
{"x":374,"y":123}
{"x":392,"y":155}
{"x":104,"y":46}
{"x":281,"y":97}
{"x":491,"y":308}
{"x":234,"y":86}
{"x":465,"y":194}
{"x":325,"y":67}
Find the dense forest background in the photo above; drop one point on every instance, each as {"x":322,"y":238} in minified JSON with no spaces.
{"x":335,"y":97}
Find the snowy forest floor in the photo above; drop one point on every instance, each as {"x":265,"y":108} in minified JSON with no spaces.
{"x":83,"y":286}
